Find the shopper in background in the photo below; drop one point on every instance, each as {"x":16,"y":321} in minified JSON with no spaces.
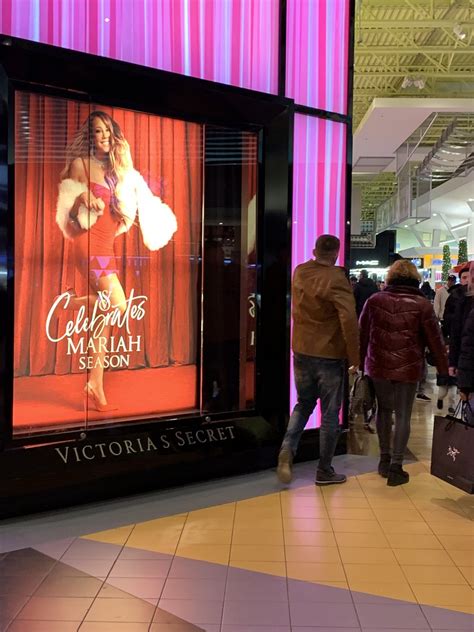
{"x":325,"y":335}
{"x":461,"y":347}
{"x":395,"y":326}
{"x":456,"y":294}
{"x":353,"y":281}
{"x":442,"y":295}
{"x":363,"y":290}
{"x":427,"y":291}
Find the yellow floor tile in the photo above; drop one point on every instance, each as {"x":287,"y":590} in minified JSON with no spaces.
{"x":327,"y":554}
{"x":171,"y":522}
{"x":356,"y":526}
{"x":112,"y":536}
{"x":363,"y":540}
{"x":399,"y":590}
{"x":290,"y":500}
{"x":214,"y":512}
{"x":306,"y":524}
{"x":270,"y":568}
{"x":351,"y":513}
{"x":342,"y":492}
{"x":353,"y":555}
{"x":431,"y":574}
{"x":398,"y":515}
{"x":258,"y":553}
{"x":358,"y":502}
{"x":207,"y":524}
{"x":447,"y":528}
{"x":201,"y":536}
{"x":442,"y":595}
{"x":380,"y":502}
{"x":468,"y":573}
{"x":413,"y":541}
{"x":269,"y":500}
{"x":462,"y":558}
{"x":319,"y":513}
{"x":423,"y":557}
{"x":255,"y":515}
{"x":251,"y":536}
{"x":310,"y":538}
{"x":263,"y":524}
{"x":457,"y":543}
{"x":391,"y":573}
{"x":406,"y":528}
{"x":315,"y":572}
{"x":217,"y":553}
{"x":304,"y":490}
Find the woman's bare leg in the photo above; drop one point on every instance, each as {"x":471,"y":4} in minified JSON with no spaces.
{"x":111,"y":285}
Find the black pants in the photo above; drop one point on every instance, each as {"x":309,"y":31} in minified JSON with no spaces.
{"x":399,"y":397}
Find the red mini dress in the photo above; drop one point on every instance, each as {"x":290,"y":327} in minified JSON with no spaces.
{"x":94,"y":248}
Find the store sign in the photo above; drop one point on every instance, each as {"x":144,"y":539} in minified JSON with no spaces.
{"x":367,"y":262}
{"x":144,"y":444}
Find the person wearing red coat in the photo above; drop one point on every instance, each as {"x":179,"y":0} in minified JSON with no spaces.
{"x":396,"y":326}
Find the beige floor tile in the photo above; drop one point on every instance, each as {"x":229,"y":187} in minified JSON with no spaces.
{"x":399,"y":590}
{"x":354,"y":555}
{"x":348,"y":502}
{"x":310,"y":538}
{"x":217,"y":553}
{"x":351,"y":513}
{"x":423,"y":557}
{"x":363,"y":540}
{"x":398,"y":515}
{"x":391,"y":573}
{"x":202,"y":536}
{"x":307,"y":524}
{"x":413,"y":541}
{"x":263,"y":524}
{"x":457,"y":542}
{"x":312,"y":571}
{"x":448,"y":528}
{"x":112,"y":536}
{"x":431,"y":574}
{"x":311,"y":513}
{"x":259,"y":553}
{"x":270,"y":568}
{"x":406,"y":528}
{"x":462,"y":558}
{"x":251,"y":536}
{"x":442,"y":595}
{"x":356,"y":526}
{"x":468,"y":572}
{"x":327,"y":554}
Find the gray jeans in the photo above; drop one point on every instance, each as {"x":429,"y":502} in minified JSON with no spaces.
{"x":398,"y":397}
{"x":317,"y":378}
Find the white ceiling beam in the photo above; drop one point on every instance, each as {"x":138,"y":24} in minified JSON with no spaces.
{"x":412,"y":24}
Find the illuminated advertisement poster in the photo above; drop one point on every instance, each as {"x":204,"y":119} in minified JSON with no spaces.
{"x":108,"y":239}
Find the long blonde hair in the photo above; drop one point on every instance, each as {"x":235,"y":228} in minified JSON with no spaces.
{"x":82,"y":146}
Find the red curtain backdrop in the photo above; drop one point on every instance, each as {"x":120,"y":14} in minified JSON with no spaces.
{"x":168,"y":153}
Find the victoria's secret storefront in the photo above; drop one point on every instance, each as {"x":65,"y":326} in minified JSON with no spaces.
{"x":144,"y":241}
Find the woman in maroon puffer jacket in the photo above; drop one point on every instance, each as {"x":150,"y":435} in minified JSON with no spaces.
{"x":396,"y":327}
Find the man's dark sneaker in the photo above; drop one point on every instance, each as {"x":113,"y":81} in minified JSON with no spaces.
{"x":439,"y":404}
{"x":397,"y":475}
{"x":285,"y":465}
{"x":384,"y":465}
{"x":329,"y":477}
{"x":421,"y":397}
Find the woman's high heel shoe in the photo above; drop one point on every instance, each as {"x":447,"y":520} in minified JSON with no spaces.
{"x":90,"y":396}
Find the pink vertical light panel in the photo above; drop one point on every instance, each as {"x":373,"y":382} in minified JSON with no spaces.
{"x":317,"y":45}
{"x":319,"y":192}
{"x":229,"y":41}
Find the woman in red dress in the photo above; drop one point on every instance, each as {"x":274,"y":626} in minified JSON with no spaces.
{"x":99,"y":196}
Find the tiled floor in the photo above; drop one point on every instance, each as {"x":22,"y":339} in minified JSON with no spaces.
{"x":245,"y":555}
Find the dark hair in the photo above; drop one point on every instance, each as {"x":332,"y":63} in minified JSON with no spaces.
{"x":364,"y":274}
{"x":327,"y":245}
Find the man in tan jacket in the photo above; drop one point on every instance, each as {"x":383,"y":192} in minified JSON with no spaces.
{"x":325,"y":337}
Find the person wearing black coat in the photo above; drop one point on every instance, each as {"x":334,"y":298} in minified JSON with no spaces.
{"x":456,"y":295}
{"x":363,"y":290}
{"x":427,"y":291}
{"x":465,"y":365}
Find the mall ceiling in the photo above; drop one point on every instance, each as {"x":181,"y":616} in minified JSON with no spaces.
{"x":410,"y":49}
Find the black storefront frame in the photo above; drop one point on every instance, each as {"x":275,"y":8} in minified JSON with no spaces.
{"x":55,"y":71}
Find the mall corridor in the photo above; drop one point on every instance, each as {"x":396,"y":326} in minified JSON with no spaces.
{"x":248,"y":555}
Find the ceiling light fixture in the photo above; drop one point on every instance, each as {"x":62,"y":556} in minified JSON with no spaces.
{"x":458,"y":31}
{"x":412,"y":82}
{"x":459,"y":226}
